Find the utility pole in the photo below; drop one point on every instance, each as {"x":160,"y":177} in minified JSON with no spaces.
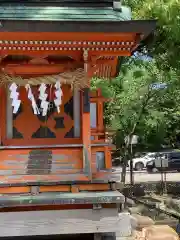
{"x":131,"y":141}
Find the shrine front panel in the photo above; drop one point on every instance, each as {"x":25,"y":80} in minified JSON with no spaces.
{"x":38,"y":166}
{"x":27,"y":128}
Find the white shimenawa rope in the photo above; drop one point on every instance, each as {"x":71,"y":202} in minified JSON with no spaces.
{"x":14,"y":96}
{"x":32,"y":99}
{"x":58,"y":94}
{"x":43,"y":96}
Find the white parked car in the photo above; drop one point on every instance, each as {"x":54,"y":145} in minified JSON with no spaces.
{"x":141,"y":162}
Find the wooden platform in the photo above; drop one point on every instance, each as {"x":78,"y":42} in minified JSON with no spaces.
{"x":62,"y":222}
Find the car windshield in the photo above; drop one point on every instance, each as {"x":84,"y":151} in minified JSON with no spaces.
{"x":150,"y":155}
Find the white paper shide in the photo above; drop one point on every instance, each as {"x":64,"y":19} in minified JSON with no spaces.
{"x":43,"y":97}
{"x":32,"y":99}
{"x":58,"y":95}
{"x":14,"y":95}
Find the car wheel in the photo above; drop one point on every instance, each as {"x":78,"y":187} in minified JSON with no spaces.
{"x":154,"y":170}
{"x":139,"y":166}
{"x":149,"y":170}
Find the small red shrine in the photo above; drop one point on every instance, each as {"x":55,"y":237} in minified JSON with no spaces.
{"x":51,"y":124}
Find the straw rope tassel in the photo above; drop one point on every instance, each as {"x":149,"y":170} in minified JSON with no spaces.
{"x":58,"y":94}
{"x":77,"y":78}
{"x":43,"y":97}
{"x":14,"y":96}
{"x":32,"y":99}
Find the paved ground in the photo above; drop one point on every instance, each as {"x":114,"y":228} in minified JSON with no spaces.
{"x":143,"y":176}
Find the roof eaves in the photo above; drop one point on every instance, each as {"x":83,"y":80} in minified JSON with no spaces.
{"x":144,"y":27}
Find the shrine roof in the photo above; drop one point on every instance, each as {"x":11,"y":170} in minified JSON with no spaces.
{"x":56,"y":13}
{"x":70,"y":16}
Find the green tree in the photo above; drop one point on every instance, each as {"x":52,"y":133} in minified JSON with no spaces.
{"x":136,"y":107}
{"x":166,"y":41}
{"x":138,"y":104}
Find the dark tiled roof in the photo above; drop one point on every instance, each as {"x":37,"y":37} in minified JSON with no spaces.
{"x":56,"y":13}
{"x":60,"y":3}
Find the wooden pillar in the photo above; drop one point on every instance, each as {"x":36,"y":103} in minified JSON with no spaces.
{"x":76,"y":112}
{"x":100,"y":111}
{"x":86,"y":125}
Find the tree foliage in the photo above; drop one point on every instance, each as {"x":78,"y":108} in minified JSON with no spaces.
{"x":142,"y":97}
{"x":159,"y":122}
{"x":163,"y":49}
{"x":166,"y":41}
{"x":145,"y":97}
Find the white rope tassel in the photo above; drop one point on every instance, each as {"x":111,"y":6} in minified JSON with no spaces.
{"x":32,"y":99}
{"x":43,"y":96}
{"x":14,"y":96}
{"x":58,"y":94}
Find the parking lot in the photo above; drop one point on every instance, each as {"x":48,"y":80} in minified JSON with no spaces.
{"x":143,"y":176}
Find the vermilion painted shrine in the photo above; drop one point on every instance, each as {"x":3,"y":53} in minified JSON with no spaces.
{"x":51,"y":124}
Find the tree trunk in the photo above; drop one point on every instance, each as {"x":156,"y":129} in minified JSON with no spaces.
{"x":123,"y":173}
{"x":131,"y":166}
{"x":131,"y":171}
